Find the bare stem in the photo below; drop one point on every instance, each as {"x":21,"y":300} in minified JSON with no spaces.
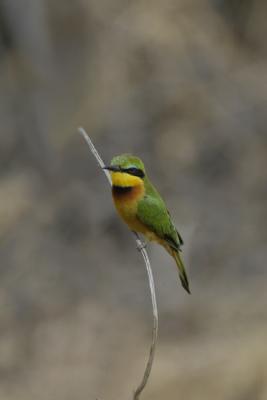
{"x":95,"y":153}
{"x":149,"y":364}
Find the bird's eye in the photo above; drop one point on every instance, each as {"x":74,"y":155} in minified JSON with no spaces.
{"x":132,"y":170}
{"x":135,"y":171}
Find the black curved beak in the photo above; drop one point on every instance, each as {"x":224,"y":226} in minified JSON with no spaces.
{"x":113,"y":168}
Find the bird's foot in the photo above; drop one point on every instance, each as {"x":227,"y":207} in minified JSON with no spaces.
{"x":141,"y":245}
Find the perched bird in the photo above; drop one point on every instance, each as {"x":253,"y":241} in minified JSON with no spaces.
{"x":142,"y":208}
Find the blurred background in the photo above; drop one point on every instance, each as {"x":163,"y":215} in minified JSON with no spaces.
{"x":183,"y":85}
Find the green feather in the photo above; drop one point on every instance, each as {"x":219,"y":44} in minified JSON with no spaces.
{"x":152,"y":212}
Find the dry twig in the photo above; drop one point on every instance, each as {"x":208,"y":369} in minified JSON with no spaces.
{"x":141,"y":248}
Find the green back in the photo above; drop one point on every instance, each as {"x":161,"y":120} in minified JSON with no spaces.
{"x":153,"y":212}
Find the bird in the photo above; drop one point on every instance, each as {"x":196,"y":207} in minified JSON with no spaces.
{"x":142,"y":208}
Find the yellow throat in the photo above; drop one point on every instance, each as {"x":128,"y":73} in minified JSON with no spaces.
{"x":122,"y":179}
{"x":127,"y":190}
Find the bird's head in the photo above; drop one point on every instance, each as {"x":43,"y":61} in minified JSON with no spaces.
{"x":126,"y":171}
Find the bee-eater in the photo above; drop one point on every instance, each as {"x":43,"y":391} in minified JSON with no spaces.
{"x":142,"y":208}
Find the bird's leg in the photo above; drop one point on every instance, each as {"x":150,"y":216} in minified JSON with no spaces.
{"x":140,"y":245}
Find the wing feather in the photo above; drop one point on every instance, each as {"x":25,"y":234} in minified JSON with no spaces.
{"x":153,"y":213}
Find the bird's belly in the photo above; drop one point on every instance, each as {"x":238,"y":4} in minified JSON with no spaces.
{"x":128,"y":212}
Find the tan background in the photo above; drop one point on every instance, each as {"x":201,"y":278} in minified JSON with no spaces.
{"x":182,"y":84}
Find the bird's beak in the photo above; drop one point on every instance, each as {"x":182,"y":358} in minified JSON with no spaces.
{"x":113,"y":168}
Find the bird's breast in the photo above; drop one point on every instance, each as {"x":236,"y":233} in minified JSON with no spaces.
{"x":126,"y":201}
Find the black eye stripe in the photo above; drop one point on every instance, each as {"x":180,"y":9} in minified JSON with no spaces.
{"x":135,"y":171}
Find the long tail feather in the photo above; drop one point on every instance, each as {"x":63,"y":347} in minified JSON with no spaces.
{"x":182,"y":273}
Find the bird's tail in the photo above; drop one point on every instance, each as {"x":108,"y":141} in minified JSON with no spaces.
{"x":182,"y":273}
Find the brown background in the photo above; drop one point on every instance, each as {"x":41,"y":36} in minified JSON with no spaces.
{"x":182,"y":84}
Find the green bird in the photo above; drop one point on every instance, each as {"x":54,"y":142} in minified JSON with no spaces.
{"x":142,"y":208}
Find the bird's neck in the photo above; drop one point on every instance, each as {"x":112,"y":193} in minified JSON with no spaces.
{"x":127,"y":188}
{"x":121,"y":190}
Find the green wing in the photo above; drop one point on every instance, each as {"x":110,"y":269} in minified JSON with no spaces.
{"x":153,"y":213}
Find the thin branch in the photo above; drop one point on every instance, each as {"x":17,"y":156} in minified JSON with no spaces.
{"x":141,"y":248}
{"x":143,"y":383}
{"x":95,"y":153}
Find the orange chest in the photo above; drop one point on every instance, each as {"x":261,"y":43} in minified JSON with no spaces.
{"x":126,"y":200}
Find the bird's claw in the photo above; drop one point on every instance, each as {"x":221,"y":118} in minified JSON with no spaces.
{"x":141,"y":245}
